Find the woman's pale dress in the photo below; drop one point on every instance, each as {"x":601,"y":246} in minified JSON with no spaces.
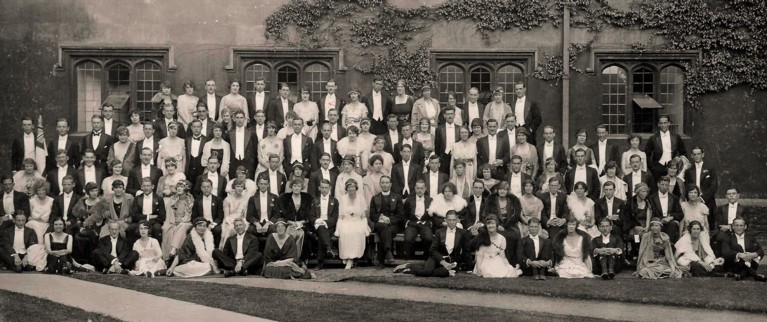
{"x":352,"y":229}
{"x":572,"y":264}
{"x":177,"y":223}
{"x":491,"y":260}
{"x":171,"y":147}
{"x":234,"y":208}
{"x":136,"y":132}
{"x":214,"y":146}
{"x":583,"y":209}
{"x":621,"y":188}
{"x":235,"y":101}
{"x":467,"y":152}
{"x":626,"y":158}
{"x":697,"y":211}
{"x":352,"y":114}
{"x":187,"y":106}
{"x":309,"y":112}
{"x":149,"y":257}
{"x":266,"y":147}
{"x":40,"y":215}
{"x":167,"y":183}
{"x":529,"y":157}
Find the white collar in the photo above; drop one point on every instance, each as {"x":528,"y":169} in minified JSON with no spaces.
{"x":533,"y":237}
{"x":207,"y":197}
{"x":734,"y":205}
{"x":67,"y":195}
{"x":451,"y":231}
{"x":581,"y":167}
{"x":548,"y":143}
{"x":386,"y":193}
{"x":18,"y":229}
{"x":417,"y":198}
{"x":324,"y":197}
{"x":609,"y":199}
{"x":240,"y":236}
{"x":665,"y":133}
{"x":740,"y":236}
{"x":29,"y":134}
{"x":663,"y":195}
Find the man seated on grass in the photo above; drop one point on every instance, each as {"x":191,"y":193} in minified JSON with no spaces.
{"x":742,"y":252}
{"x":608,"y":250}
{"x":114,"y":254}
{"x":19,"y":244}
{"x":534,"y":252}
{"x":448,"y":251}
{"x":241,"y":252}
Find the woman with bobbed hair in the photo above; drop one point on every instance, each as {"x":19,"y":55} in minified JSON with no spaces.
{"x":40,"y":206}
{"x":694,"y":255}
{"x":352,"y":227}
{"x":25,"y":179}
{"x":580,"y":143}
{"x":634,"y":141}
{"x":308,"y":111}
{"x":123,"y":150}
{"x":491,"y":251}
{"x":444,"y":202}
{"x":549,"y":171}
{"x":572,"y":251}
{"x":234,"y":100}
{"x":178,"y":219}
{"x":187,"y":103}
{"x":172,"y":147}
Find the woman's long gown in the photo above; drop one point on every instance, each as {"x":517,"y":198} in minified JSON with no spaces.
{"x":492,"y":261}
{"x":41,"y":212}
{"x":146,"y":253}
{"x":352,"y":229}
{"x":572,"y":265}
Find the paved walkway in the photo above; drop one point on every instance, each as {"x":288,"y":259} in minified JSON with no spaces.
{"x":124,"y":304}
{"x":560,"y":306}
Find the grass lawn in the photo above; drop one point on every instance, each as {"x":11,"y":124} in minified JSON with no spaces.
{"x":308,"y":306}
{"x":709,"y":293}
{"x":21,"y":307}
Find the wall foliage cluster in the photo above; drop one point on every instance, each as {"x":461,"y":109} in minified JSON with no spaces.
{"x":729,"y":33}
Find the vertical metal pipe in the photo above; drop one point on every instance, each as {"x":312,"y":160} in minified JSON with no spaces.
{"x":566,"y":77}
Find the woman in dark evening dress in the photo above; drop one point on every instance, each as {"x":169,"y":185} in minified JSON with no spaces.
{"x":58,"y":245}
{"x":281,"y":253}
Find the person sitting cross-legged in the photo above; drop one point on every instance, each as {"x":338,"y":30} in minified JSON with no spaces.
{"x":448,"y":251}
{"x":241,"y":252}
{"x":534,"y":252}
{"x":742,"y":252}
{"x":114,"y":254}
{"x":608,"y":250}
{"x":19,"y":247}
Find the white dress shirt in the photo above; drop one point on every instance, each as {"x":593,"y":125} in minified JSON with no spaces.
{"x":449,"y":137}
{"x":537,"y":244}
{"x":636,"y":178}
{"x":473,"y":112}
{"x":698,"y":170}
{"x":433,"y":183}
{"x":259,"y":100}
{"x":18,"y":240}
{"x":147,"y":205}
{"x":90,"y":173}
{"x":394,"y":136}
{"x":212,"y":108}
{"x":8,"y":203}
{"x":239,"y":139}
{"x":581,"y":174}
{"x":450,"y":240}
{"x":512,"y":133}
{"x":285,"y":106}
{"x":149,"y":143}
{"x":325,"y":173}
{"x":67,"y":202}
{"x":519,"y":110}
{"x":405,"y":172}
{"x":552,"y":205}
{"x":60,"y":176}
{"x":478,"y":208}
{"x":114,"y":246}
{"x":263,"y":204}
{"x":328,"y":148}
{"x":548,"y":150}
{"x":240,"y":239}
{"x":108,"y":125}
{"x":62,"y":142}
{"x":207,"y":202}
{"x":602,"y":146}
{"x":295,"y":148}
{"x":663,"y":197}
{"x":260,"y":131}
{"x":213,"y":177}
{"x":95,"y":139}
{"x":334,"y":132}
{"x":195,"y":146}
{"x":492,"y":145}
{"x":665,"y":139}
{"x":609,"y":202}
{"x":324,"y":202}
{"x":29,"y":145}
{"x":732,"y":211}
{"x":377,"y":108}
{"x":515,"y":184}
{"x":273,"y":183}
{"x":741,"y":241}
{"x":606,"y":239}
{"x":420,"y":207}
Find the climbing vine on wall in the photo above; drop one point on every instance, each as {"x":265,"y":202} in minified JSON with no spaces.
{"x":730,"y":34}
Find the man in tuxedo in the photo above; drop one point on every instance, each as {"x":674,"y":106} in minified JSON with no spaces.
{"x":323,"y":172}
{"x":516,"y":177}
{"x":637,"y":176}
{"x":64,"y":205}
{"x":474,"y":110}
{"x":406,"y":173}
{"x":212,"y":100}
{"x":161,"y":126}
{"x":63,"y":142}
{"x":150,"y":142}
{"x":662,"y":147}
{"x":114,"y":254}
{"x":385,"y":220}
{"x":527,"y":112}
{"x":706,"y":179}
{"x":416,"y":148}
{"x":259,"y":127}
{"x":510,"y":132}
{"x":392,"y":135}
{"x":279,"y":106}
{"x":17,"y":243}
{"x":604,"y":151}
{"x":241,"y":253}
{"x":446,"y":136}
{"x":724,"y":217}
{"x":277,"y":180}
{"x":448,"y":252}
{"x":665,"y":205}
{"x":110,"y":125}
{"x":205,"y":122}
{"x":493,"y":149}
{"x":298,"y":147}
{"x":323,"y":219}
{"x":58,"y":172}
{"x":608,"y":250}
{"x":13,"y":202}
{"x":260,"y":99}
{"x":550,"y":149}
{"x":330,"y":101}
{"x":555,"y":211}
{"x":263,"y":208}
{"x":243,"y":144}
{"x":147,"y":206}
{"x":379,"y":106}
{"x":210,"y":207}
{"x":194,"y":144}
{"x":611,"y":208}
{"x":23,"y":147}
{"x":434,"y":178}
{"x":417,"y":219}
{"x":218,"y":182}
{"x":325,"y":144}
{"x":742,"y":252}
{"x":534,"y":252}
{"x":473,"y":219}
{"x":98,"y":143}
{"x":586,"y":174}
{"x":337,"y":132}
{"x":89,"y":172}
{"x":143,"y":170}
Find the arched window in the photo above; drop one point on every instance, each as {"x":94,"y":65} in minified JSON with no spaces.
{"x":614,"y":80}
{"x":451,"y":79}
{"x":118,"y":90}
{"x":316,"y":77}
{"x":288,"y":74}
{"x":254,"y":72}
{"x":643,"y":86}
{"x":148,"y":82}
{"x":88,"y":93}
{"x":507,"y":76}
{"x":479,"y":77}
{"x":672,"y":95}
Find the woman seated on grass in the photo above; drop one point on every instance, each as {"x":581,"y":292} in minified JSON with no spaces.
{"x":656,"y":258}
{"x":280,"y":255}
{"x":492,"y":251}
{"x":572,"y":251}
{"x":195,"y":258}
{"x":694,"y":254}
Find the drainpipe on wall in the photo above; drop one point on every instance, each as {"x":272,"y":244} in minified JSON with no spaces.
{"x":566,"y":76}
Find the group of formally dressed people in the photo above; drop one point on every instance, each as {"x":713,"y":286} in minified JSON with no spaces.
{"x":258,"y":185}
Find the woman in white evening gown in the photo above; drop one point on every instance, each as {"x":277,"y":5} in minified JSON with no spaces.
{"x":572,"y":249}
{"x":352,"y":227}
{"x":491,"y":259}
{"x":150,"y":254}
